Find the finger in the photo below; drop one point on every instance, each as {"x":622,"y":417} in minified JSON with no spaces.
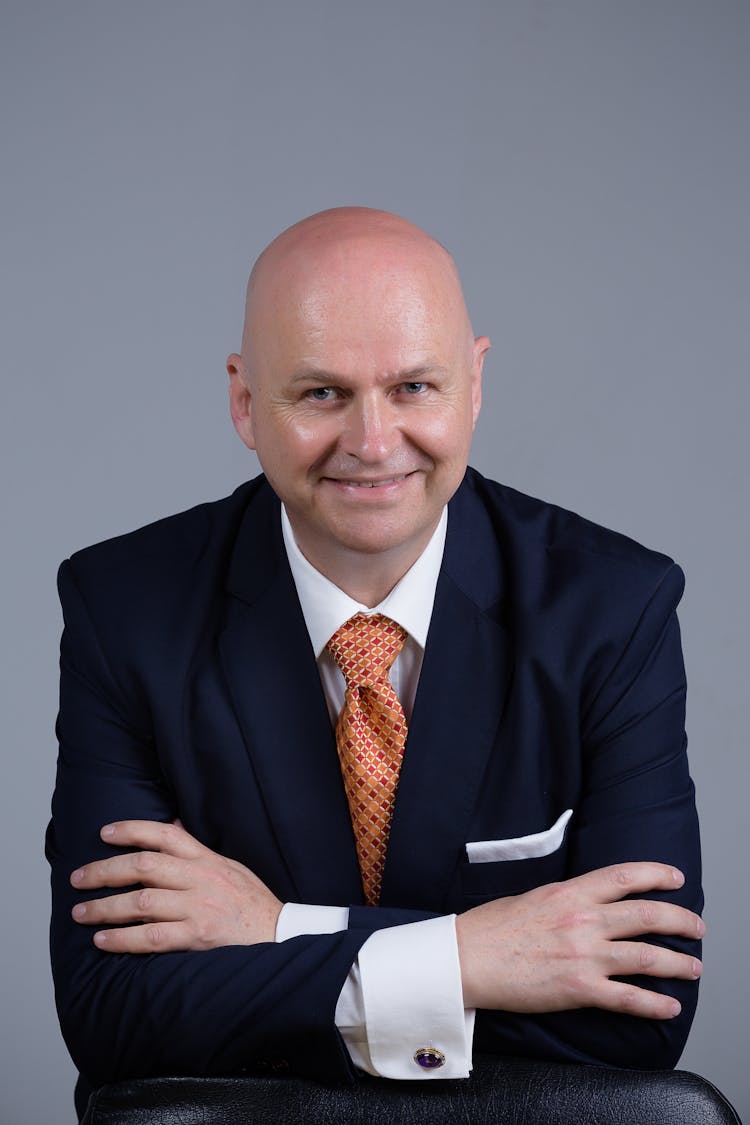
{"x":645,"y":916}
{"x":609,"y":884}
{"x":152,"y":937}
{"x":153,"y":835}
{"x":152,"y":869}
{"x":147,"y":905}
{"x":631,"y":958}
{"x":616,"y":996}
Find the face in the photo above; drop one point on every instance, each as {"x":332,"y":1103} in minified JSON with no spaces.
{"x":360,"y":392}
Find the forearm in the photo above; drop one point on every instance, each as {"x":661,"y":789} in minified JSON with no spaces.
{"x":217,"y":1011}
{"x":182,"y":1007}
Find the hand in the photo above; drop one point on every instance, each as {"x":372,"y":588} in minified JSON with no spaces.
{"x":191,"y":897}
{"x":555,"y":948}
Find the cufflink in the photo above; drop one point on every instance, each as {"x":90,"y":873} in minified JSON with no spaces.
{"x":429,"y":1058}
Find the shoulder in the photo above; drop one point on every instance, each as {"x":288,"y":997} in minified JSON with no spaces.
{"x":165,"y":559}
{"x":549,"y":553}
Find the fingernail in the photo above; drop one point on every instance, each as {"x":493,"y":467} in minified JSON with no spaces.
{"x":77,"y":876}
{"x":676,"y":1008}
{"x":80,"y":910}
{"x":678,"y":877}
{"x":701,"y":927}
{"x":100,"y":937}
{"x":108,"y":830}
{"x":697,"y":969}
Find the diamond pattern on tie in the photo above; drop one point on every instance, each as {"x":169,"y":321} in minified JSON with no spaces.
{"x":370,"y":736}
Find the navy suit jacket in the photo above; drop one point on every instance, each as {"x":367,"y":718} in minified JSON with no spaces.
{"x":552,"y":679}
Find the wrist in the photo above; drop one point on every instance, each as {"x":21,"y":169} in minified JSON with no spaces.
{"x":274,"y":911}
{"x":466,"y":961}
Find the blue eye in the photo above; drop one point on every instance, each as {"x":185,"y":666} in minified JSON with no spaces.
{"x":321,"y":394}
{"x":414,"y":388}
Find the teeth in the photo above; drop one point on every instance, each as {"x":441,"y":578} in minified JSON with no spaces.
{"x":374,"y":483}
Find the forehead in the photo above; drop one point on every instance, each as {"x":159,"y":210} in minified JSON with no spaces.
{"x":360,"y":298}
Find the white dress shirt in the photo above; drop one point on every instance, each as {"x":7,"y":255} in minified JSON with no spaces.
{"x":403,"y":992}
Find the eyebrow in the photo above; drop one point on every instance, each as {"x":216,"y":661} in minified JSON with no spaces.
{"x":329,"y":378}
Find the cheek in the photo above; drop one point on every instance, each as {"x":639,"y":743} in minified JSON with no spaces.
{"x":444,"y":435}
{"x":292,"y":442}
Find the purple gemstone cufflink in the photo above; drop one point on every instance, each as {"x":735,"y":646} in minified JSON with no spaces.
{"x":429,"y":1058}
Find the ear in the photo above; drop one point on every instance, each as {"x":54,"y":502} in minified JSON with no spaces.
{"x":481,"y":347}
{"x":240,"y":404}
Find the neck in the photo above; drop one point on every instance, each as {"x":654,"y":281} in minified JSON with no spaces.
{"x":367,"y":577}
{"x":369,"y":587}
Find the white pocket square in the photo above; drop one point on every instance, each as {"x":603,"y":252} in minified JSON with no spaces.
{"x":522,"y":847}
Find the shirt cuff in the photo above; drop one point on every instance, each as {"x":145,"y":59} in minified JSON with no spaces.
{"x":403,"y":1002}
{"x":298,"y":918}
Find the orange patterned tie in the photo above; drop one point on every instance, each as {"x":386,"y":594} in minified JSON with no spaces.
{"x":370,"y":735}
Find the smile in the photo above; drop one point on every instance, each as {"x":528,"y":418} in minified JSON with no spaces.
{"x":374,"y":483}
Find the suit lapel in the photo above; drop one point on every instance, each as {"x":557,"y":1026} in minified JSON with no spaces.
{"x":459,"y":705}
{"x":277,"y":695}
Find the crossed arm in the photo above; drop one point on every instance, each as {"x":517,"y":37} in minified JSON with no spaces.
{"x":555,"y":948}
{"x":211,"y":991}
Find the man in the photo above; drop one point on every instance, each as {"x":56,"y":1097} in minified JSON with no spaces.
{"x":241,"y":892}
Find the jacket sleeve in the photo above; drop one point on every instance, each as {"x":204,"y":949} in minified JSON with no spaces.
{"x":219,"y":1011}
{"x":638,"y":804}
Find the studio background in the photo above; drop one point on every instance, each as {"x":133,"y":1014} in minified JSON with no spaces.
{"x":585,"y":160}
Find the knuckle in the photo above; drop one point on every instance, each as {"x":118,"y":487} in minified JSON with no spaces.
{"x":580,"y":919}
{"x":205,"y":936}
{"x":154,"y":936}
{"x":573,"y":928}
{"x":205,"y":932}
{"x":630,"y":999}
{"x":235,"y":877}
{"x":144,"y":862}
{"x":553,"y":893}
{"x":144,"y":901}
{"x":225,"y":878}
{"x":647,"y":955}
{"x":577,"y":987}
{"x":622,"y":875}
{"x":220,"y":875}
{"x":646,"y":914}
{"x":169,"y":834}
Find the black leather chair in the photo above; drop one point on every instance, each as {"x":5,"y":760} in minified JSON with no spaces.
{"x":499,"y":1092}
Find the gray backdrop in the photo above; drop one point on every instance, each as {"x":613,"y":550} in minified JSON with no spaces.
{"x":587,"y":161}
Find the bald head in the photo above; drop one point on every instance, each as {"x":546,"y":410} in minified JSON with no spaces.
{"x":342,"y":251}
{"x":358,"y":386}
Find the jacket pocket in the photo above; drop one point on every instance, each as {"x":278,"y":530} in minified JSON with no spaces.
{"x":511,"y":867}
{"x":521,"y":847}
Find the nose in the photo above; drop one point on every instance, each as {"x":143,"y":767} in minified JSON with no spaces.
{"x":371,"y":433}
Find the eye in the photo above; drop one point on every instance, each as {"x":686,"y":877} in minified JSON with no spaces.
{"x":414,"y":388}
{"x":321,"y":394}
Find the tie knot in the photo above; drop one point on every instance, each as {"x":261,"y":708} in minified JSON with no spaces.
{"x":365,"y":647}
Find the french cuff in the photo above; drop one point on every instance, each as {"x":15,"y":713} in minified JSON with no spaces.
{"x":401,"y":1011}
{"x":297,"y":918}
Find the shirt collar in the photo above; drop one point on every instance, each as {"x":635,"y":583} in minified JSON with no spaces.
{"x":326,"y":607}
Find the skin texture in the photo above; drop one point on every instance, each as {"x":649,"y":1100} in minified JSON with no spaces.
{"x":554,"y":948}
{"x":190,"y":897}
{"x":359,"y":367}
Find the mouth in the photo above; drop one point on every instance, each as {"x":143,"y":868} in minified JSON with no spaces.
{"x":381,"y":483}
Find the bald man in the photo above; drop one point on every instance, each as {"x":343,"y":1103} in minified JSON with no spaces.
{"x":540,"y":893}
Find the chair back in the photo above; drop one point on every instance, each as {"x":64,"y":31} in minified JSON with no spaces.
{"x":501,"y":1091}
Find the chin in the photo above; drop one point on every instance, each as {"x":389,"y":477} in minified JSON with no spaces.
{"x":373,"y":537}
